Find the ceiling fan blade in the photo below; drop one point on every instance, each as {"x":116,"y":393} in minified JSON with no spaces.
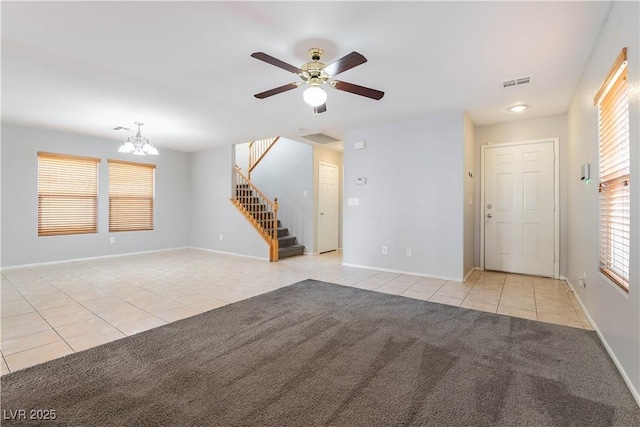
{"x":345,"y":63}
{"x":320,"y":109}
{"x":276,"y":91}
{"x":358,"y":90}
{"x":275,"y":61}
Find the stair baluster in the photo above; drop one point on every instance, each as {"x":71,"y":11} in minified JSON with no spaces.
{"x":261,"y":212}
{"x":257,"y":150}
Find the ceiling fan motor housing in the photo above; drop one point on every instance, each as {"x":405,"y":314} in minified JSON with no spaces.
{"x":312,"y":71}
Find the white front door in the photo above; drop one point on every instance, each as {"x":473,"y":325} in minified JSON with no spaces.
{"x":328,"y":208}
{"x":519,"y":208}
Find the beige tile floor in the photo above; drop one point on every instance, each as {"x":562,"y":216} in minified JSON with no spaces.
{"x":54,"y":310}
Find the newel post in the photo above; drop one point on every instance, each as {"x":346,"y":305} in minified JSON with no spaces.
{"x":274,"y":244}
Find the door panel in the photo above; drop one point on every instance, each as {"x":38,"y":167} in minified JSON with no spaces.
{"x":530,"y":191}
{"x":505,"y":192}
{"x":518,"y":214}
{"x":531,"y":243}
{"x":328,"y":225}
{"x":504,"y":238}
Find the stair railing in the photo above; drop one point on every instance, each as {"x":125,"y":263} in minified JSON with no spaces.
{"x":259,"y":210}
{"x":257,"y":150}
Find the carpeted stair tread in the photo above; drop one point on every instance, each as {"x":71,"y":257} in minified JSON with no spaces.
{"x":282,"y":231}
{"x":289,"y":251}
{"x":286,"y":241}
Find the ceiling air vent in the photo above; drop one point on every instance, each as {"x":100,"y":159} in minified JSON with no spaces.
{"x":320,"y":138}
{"x":516,"y":82}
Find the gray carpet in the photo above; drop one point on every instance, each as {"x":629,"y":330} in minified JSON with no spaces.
{"x":315,"y":354}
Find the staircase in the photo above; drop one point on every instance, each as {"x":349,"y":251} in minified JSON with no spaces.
{"x":287,"y":244}
{"x":262,"y":213}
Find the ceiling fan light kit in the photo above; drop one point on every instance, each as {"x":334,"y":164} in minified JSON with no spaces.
{"x":314,"y":74}
{"x":314,"y":96}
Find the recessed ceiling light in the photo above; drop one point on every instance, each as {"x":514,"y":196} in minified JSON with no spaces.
{"x":518,"y":108}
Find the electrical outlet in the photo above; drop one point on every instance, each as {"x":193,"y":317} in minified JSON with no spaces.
{"x":408,"y":251}
{"x":221,"y":237}
{"x":384,"y":250}
{"x":112,"y":239}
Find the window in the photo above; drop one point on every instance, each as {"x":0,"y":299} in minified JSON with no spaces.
{"x":130,"y":196}
{"x":613,"y":127}
{"x":67,"y":194}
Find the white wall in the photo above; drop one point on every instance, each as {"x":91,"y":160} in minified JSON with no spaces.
{"x":242,"y":157}
{"x":412,"y":199}
{"x":615,"y":313}
{"x":286,"y":172}
{"x":212,"y":213}
{"x":526,"y":130}
{"x":20,"y":242}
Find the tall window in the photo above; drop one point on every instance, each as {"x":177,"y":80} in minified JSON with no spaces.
{"x":67,"y":194}
{"x":131,"y":191}
{"x":613,"y":124}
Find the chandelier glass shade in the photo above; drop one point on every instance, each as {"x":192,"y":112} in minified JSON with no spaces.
{"x":138,"y":145}
{"x":314,"y":96}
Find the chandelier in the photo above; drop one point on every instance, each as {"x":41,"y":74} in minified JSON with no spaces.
{"x":138,"y":145}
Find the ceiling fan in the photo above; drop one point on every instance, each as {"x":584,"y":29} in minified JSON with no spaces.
{"x":315,"y":74}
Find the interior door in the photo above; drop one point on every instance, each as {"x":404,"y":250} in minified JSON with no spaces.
{"x":519,"y":204}
{"x":328,"y":208}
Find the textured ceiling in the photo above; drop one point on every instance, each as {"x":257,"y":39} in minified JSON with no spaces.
{"x":184,"y":68}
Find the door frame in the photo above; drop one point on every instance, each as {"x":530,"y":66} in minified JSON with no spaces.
{"x":556,"y":197}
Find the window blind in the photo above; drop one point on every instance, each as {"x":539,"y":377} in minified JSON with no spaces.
{"x":615,"y":194}
{"x":131,"y":193}
{"x":67,"y":194}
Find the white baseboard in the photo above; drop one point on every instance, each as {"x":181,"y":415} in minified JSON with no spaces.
{"x":469,"y":274}
{"x":230,"y":253}
{"x":65,"y":261}
{"x":635,"y":393}
{"x":411,"y":273}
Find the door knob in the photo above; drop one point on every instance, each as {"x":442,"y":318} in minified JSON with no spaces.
{"x":489,"y":216}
